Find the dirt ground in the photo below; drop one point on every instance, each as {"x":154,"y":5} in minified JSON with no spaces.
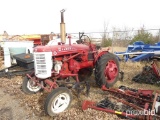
{"x":15,"y":105}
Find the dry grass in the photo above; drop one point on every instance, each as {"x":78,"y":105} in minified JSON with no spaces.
{"x":131,"y":69}
{"x":118,"y":49}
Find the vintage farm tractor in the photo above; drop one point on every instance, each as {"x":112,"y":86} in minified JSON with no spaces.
{"x":55,"y":65}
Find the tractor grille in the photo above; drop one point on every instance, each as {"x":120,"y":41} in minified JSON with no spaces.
{"x":43,"y":64}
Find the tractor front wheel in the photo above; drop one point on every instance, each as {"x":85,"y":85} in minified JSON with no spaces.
{"x":29,"y":86}
{"x":107,"y":70}
{"x":57,"y":101}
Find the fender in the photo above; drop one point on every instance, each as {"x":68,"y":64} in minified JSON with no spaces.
{"x":99,"y":55}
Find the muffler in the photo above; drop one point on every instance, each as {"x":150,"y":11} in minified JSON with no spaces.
{"x":62,"y":28}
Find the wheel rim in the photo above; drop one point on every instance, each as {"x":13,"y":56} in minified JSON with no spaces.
{"x":32,"y":86}
{"x":111,"y":71}
{"x":60,"y":103}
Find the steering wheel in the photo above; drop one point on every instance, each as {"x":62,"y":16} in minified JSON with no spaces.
{"x":84,"y":41}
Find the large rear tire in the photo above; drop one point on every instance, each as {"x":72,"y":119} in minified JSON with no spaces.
{"x":57,"y":101}
{"x":107,"y":70}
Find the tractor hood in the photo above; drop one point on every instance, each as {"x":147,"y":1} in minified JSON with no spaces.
{"x":62,"y":49}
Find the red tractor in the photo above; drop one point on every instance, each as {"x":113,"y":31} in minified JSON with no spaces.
{"x":54,"y":65}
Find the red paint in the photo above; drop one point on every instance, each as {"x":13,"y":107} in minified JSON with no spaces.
{"x":140,"y":97}
{"x":90,"y":104}
{"x":98,"y":55}
{"x":111,"y":71}
{"x":145,"y":93}
{"x":75,"y":57}
{"x":155,"y":68}
{"x":52,"y":85}
{"x":36,"y":41}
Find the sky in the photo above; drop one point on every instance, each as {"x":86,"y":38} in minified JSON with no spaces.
{"x":43,"y":16}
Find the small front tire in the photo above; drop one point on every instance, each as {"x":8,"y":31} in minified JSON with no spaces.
{"x":57,"y":101}
{"x":29,"y":86}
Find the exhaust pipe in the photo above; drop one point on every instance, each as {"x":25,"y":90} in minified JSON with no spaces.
{"x":62,"y":28}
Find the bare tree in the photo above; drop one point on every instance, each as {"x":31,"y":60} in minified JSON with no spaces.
{"x":105,"y":34}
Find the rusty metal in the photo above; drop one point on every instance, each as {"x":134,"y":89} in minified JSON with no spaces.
{"x":52,"y":85}
{"x":144,"y":100}
{"x":155,"y":68}
{"x":121,"y":93}
{"x":149,"y":74}
{"x":90,"y":104}
{"x":127,"y":103}
{"x":154,"y":102}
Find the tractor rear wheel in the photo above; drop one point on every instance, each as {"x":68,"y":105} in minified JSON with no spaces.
{"x":58,"y":101}
{"x":107,"y":70}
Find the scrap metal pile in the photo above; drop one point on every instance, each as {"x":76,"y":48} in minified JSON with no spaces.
{"x":149,"y":75}
{"x":129,"y":103}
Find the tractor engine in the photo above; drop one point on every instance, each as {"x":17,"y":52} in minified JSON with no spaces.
{"x":62,"y":60}
{"x":57,"y":65}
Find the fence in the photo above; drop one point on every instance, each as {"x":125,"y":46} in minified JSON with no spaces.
{"x":121,"y":38}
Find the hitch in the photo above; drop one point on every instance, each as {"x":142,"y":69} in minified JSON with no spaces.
{"x":121,"y":75}
{"x":13,"y":71}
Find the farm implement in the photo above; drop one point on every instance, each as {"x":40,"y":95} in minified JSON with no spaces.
{"x":139,"y":51}
{"x":149,"y":74}
{"x":128,"y":103}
